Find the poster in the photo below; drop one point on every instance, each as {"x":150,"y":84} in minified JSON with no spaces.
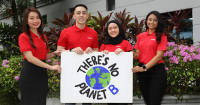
{"x":96,"y":78}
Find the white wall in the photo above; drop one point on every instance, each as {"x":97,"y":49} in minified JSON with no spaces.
{"x":8,"y":21}
{"x":196,"y":24}
{"x":140,"y":8}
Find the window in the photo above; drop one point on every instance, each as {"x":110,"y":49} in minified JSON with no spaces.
{"x":185,"y":33}
{"x":44,"y":20}
{"x":110,"y":5}
{"x":71,"y":10}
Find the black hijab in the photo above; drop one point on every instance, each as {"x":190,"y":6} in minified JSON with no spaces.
{"x":118,"y":39}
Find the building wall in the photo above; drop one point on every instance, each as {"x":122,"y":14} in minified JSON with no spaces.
{"x":1,"y":47}
{"x":9,"y":21}
{"x":140,"y":8}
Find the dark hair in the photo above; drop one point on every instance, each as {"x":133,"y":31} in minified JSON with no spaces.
{"x":82,"y":5}
{"x":160,"y":29}
{"x":25,"y":26}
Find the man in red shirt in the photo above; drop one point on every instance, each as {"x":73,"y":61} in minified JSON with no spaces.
{"x":79,"y":38}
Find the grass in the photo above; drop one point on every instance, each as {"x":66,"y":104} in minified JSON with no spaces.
{"x":8,"y":98}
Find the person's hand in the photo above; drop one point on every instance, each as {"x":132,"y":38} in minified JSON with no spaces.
{"x":88,"y":50}
{"x":135,"y":56}
{"x":105,"y":51}
{"x":78,"y":50}
{"x":118,"y":50}
{"x":56,"y":67}
{"x":58,"y":52}
{"x":137,"y":69}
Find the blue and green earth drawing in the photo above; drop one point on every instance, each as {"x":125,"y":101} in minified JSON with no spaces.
{"x":98,"y":77}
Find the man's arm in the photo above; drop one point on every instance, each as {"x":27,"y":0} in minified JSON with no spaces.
{"x":60,"y":47}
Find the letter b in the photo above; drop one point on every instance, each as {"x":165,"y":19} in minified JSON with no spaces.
{"x":113,"y":89}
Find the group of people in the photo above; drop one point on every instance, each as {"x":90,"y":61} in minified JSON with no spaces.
{"x":80,"y":38}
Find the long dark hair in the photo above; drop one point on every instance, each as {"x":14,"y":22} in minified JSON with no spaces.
{"x":26,"y":27}
{"x":160,"y":29}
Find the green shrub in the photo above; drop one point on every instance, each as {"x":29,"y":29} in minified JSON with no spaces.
{"x":183,"y":69}
{"x":10,"y":71}
{"x":53,"y":79}
{"x":182,"y":64}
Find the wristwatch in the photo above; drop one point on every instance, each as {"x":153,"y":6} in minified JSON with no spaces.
{"x":70,"y":49}
{"x":144,"y":67}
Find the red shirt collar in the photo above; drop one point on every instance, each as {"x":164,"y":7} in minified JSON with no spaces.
{"x":78,"y":29}
{"x":147,"y":32}
{"x":32,"y":34}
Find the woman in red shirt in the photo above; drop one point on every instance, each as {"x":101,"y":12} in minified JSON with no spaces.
{"x":151,"y":46}
{"x":115,"y":42}
{"x":115,"y":39}
{"x":33,"y":81}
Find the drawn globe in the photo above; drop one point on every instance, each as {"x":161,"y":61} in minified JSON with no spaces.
{"x":98,"y":77}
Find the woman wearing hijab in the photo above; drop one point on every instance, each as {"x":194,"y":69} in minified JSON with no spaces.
{"x":115,"y":39}
{"x":115,"y":42}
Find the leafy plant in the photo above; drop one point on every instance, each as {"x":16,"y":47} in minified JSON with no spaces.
{"x":5,"y":54}
{"x":66,"y":22}
{"x":9,"y":38}
{"x":100,"y":29}
{"x":124,"y":19}
{"x":169,"y":30}
{"x":92,"y":23}
{"x":10,"y":71}
{"x":53,"y":79}
{"x":136,"y":29}
{"x":52,"y":37}
{"x":182,"y":63}
{"x":178,"y":20}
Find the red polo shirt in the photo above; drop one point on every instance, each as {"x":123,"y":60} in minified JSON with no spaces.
{"x":148,"y":46}
{"x":124,"y":45}
{"x":73,"y":37}
{"x":25,"y":45}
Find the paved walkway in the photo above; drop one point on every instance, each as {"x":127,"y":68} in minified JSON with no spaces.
{"x":167,"y":100}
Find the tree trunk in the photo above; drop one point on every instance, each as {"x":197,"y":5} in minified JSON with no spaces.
{"x":14,"y":12}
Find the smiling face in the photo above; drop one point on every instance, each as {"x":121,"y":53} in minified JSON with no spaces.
{"x":152,"y":22}
{"x":80,"y":15}
{"x":113,"y":30}
{"x":33,"y":20}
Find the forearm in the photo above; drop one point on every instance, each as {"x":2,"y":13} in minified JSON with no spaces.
{"x":153,"y":61}
{"x":38,"y":62}
{"x":60,"y":47}
{"x":50,"y":55}
{"x":136,"y":55}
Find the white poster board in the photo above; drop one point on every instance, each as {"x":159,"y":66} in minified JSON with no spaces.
{"x":96,"y":78}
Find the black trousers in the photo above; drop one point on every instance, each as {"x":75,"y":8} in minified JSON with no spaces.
{"x":153,"y":83}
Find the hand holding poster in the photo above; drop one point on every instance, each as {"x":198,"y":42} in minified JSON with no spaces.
{"x":96,"y":78}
